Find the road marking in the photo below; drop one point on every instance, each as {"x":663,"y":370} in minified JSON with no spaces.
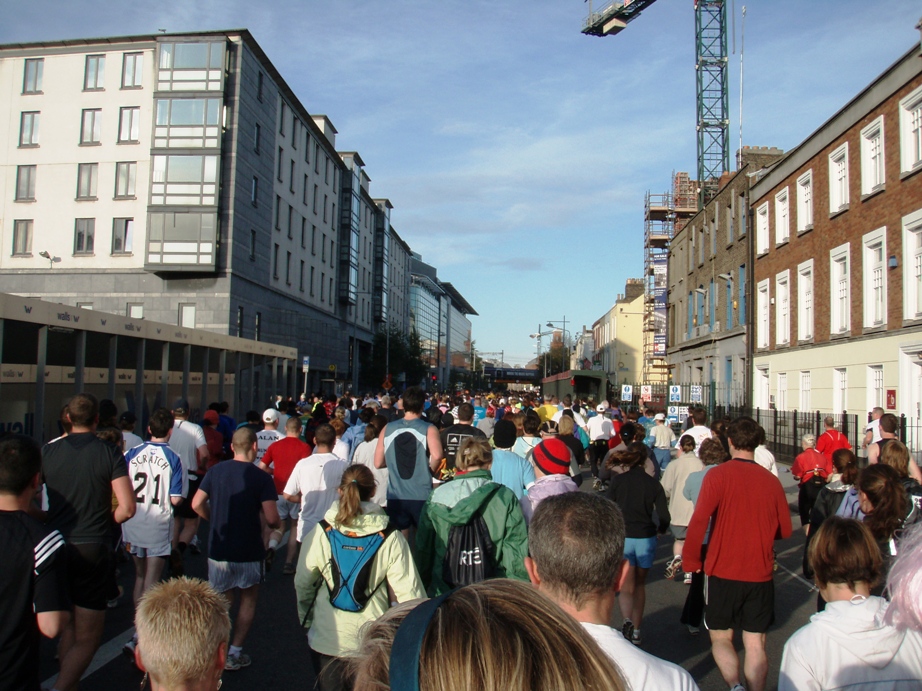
{"x":810,"y":586}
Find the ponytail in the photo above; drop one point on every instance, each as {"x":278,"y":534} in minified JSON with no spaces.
{"x":357,"y":485}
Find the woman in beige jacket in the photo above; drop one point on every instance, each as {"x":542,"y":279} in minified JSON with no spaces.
{"x":680,"y":508}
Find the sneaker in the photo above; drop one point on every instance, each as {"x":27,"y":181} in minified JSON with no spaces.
{"x":235,"y":662}
{"x":672,"y":568}
{"x":270,"y":557}
{"x":195,"y":547}
{"x":176,"y":568}
{"x":113,"y":603}
{"x":636,"y":638}
{"x":288,"y":569}
{"x":738,"y":687}
{"x":693,"y":630}
{"x":597,"y":484}
{"x":627,"y":629}
{"x":128,"y":648}
{"x":688,"y":578}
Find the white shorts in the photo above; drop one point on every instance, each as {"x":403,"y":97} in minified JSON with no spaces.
{"x":288,"y":509}
{"x":145,"y":552}
{"x":227,"y":575}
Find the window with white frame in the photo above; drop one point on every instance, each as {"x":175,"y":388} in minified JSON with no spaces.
{"x":781,"y":394}
{"x":839,"y":290}
{"x":838,"y":179}
{"x":187,"y":315}
{"x":763,"y":388}
{"x":805,"y":202}
{"x":911,"y":131}
{"x":783,"y":308}
{"x":840,"y":389}
{"x":28,"y":128}
{"x":762,"y":307}
{"x":872,"y":156}
{"x":782,"y":217}
{"x":805,"y":391}
{"x":875,"y":386}
{"x":875,"y":279}
{"x":805,"y":300}
{"x":691,"y":238}
{"x":912,"y":265}
{"x":762,"y":229}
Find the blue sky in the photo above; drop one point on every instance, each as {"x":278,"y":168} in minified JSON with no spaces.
{"x":516,"y":150}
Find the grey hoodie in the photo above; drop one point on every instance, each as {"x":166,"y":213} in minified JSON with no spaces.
{"x":849,"y":646}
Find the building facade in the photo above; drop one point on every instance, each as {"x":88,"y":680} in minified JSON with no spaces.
{"x":708,"y":287}
{"x":618,"y":336}
{"x":178,"y":178}
{"x":838,"y":271}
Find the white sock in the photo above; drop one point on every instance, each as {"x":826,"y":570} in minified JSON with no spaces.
{"x":235,"y":650}
{"x":273,"y":543}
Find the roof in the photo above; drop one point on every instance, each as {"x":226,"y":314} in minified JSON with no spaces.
{"x":458,"y":299}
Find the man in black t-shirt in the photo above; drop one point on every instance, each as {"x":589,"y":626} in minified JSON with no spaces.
{"x":32,"y":579}
{"x":454,"y":435}
{"x":81,"y":472}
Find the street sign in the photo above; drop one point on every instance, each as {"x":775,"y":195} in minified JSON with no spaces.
{"x":695,"y":394}
{"x":672,"y":413}
{"x":332,"y":368}
{"x":627,"y":392}
{"x":646,"y":393}
{"x":305,"y":363}
{"x":675,"y":394}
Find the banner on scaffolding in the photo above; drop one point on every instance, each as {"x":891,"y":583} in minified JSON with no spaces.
{"x":659,"y":306}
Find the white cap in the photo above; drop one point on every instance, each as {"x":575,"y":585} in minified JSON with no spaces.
{"x":270,"y":415}
{"x":600,"y":408}
{"x":659,"y":416}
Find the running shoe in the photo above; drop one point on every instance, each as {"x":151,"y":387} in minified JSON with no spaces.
{"x":195,"y":547}
{"x":673,"y":567}
{"x":235,"y":662}
{"x":627,"y":629}
{"x":288,"y":569}
{"x":636,"y":638}
{"x":693,"y":630}
{"x":597,"y":485}
{"x":128,"y":648}
{"x":270,"y":557}
{"x":113,"y":603}
{"x":688,"y":578}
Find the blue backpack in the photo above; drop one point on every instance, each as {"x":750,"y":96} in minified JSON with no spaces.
{"x":351,"y":560}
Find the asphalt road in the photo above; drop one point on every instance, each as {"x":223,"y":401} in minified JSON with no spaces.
{"x":281,"y":658}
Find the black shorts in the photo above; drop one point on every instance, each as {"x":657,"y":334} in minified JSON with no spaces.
{"x":404,"y":513}
{"x":88,"y":574}
{"x":739,"y":604}
{"x":184,"y":510}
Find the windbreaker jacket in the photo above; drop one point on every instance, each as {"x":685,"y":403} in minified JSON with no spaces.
{"x":848,"y":646}
{"x":455,"y":503}
{"x":337,"y":632}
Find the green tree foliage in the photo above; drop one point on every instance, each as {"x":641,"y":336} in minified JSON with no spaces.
{"x":396,"y":354}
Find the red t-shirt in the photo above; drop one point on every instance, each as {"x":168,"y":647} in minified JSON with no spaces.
{"x":285,"y":454}
{"x":809,"y":463}
{"x":215,"y":443}
{"x":831,"y":441}
{"x":750,"y":512}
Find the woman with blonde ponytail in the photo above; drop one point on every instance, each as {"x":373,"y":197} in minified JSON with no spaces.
{"x":334,"y":607}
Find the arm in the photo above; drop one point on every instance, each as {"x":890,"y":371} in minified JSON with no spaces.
{"x":434,"y":442}
{"x":292,"y":491}
{"x":308,"y":576}
{"x":873,"y":453}
{"x":201,"y":455}
{"x":379,"y":450}
{"x":528,"y":473}
{"x":271,"y":512}
{"x":50,"y":595}
{"x":124,"y":492}
{"x":697,"y":526}
{"x":662,"y":510}
{"x":868,"y":436}
{"x":201,"y":506}
{"x":52,"y":623}
{"x":784,"y":514}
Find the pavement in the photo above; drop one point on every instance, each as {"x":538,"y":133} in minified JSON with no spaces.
{"x":281,"y":657}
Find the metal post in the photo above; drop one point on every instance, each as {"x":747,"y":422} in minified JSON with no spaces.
{"x":79,"y":362}
{"x":139,"y":402}
{"x":165,"y":375}
{"x":222,"y":371}
{"x":113,"y":354}
{"x":205,"y":367}
{"x":41,"y":359}
{"x":186,"y":368}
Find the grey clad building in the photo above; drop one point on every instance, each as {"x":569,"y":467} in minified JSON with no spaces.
{"x":178,"y":178}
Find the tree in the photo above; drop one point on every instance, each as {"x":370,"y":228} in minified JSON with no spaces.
{"x":556,"y":360}
{"x":396,"y":354}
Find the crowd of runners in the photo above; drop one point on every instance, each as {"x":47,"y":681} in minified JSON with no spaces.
{"x":442,"y":542}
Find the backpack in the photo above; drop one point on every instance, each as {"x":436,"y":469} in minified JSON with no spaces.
{"x":351,"y":560}
{"x":470,"y":552}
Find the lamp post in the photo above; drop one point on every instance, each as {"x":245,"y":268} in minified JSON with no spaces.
{"x":566,"y":334}
{"x":538,"y":335}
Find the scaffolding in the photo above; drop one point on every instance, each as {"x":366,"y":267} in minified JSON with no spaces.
{"x":664,"y":215}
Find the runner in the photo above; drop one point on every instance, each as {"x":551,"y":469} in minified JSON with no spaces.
{"x":189,"y":443}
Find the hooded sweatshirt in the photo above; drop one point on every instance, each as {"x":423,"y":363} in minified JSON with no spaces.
{"x":334,"y":631}
{"x":848,"y":646}
{"x":545,"y":487}
{"x":455,"y":503}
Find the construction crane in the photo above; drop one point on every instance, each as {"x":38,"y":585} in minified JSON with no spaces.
{"x":713,"y":123}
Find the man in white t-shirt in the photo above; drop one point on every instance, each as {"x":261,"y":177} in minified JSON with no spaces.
{"x":576,"y":542}
{"x":269,"y":433}
{"x":872,"y":431}
{"x":315,"y":479}
{"x":188,"y":441}
{"x":700,"y":431}
{"x":600,"y":430}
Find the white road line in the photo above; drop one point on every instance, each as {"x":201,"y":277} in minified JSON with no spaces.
{"x":807,"y":583}
{"x":112,"y":649}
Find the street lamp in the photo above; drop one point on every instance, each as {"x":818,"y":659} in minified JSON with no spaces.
{"x":538,"y":335}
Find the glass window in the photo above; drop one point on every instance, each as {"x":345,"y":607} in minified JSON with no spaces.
{"x":301,"y":277}
{"x":875,"y":285}
{"x":84,"y":235}
{"x":184,"y":180}
{"x":254,"y":191}
{"x":257,"y":131}
{"x":22,"y":237}
{"x":312,"y":282}
{"x":32,"y":76}
{"x":94,"y":74}
{"x":122,"y":235}
{"x":132,"y":70}
{"x":191,"y":66}
{"x":275,"y":261}
{"x":762,"y":229}
{"x":763,"y":324}
{"x":87,"y":176}
{"x":805,"y":202}
{"x":912,"y":265}
{"x":187,"y":315}
{"x":805,"y":301}
{"x":783,"y":308}
{"x":129,"y":124}
{"x":135,"y":310}
{"x":126,"y":174}
{"x":838,"y":179}
{"x":259,"y":86}
{"x":288,"y":268}
{"x":28,"y":129}
{"x":872,"y":156}
{"x":291,"y":176}
{"x":91,"y":126}
{"x":782,"y":221}
{"x":252,"y":244}
{"x":25,"y":183}
{"x":911,"y":131}
{"x":839,"y":289}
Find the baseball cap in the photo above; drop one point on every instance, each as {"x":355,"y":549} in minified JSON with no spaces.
{"x":600,"y":408}
{"x":211,"y":416}
{"x":549,"y":427}
{"x":270,"y":415}
{"x":181,"y":406}
{"x":659,"y":416}
{"x":552,"y":456}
